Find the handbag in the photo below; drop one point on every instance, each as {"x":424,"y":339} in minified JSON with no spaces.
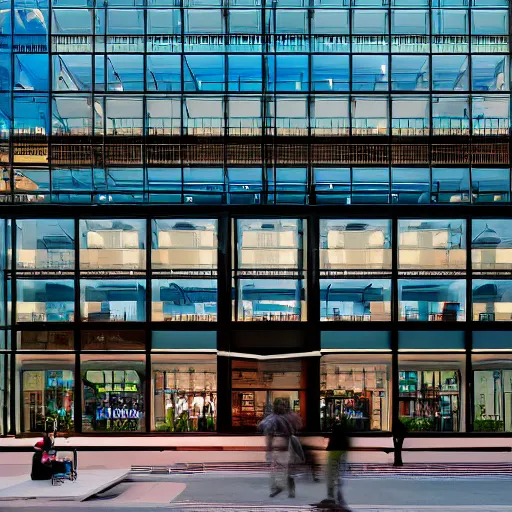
{"x":296,"y":451}
{"x":48,"y":457}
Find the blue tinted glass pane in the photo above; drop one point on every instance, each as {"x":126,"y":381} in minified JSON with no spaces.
{"x":164,"y":72}
{"x":330,"y":73}
{"x":112,"y":301}
{"x":184,"y":300}
{"x":31,"y":72}
{"x":370,"y":185}
{"x":410,"y":186}
{"x":450,"y":72}
{"x":45,"y":301}
{"x":490,"y":185}
{"x":450,"y":185}
{"x":72,"y":179}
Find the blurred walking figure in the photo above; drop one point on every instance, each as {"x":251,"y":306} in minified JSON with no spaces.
{"x":337,"y":449}
{"x":283,"y":448}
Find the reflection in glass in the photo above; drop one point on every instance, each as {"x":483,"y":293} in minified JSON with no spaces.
{"x":184,"y":300}
{"x":271,"y":300}
{"x":112,"y":244}
{"x":112,"y":300}
{"x":45,"y":244}
{"x":433,"y":244}
{"x":45,"y":300}
{"x":432,"y":300}
{"x":492,"y":300}
{"x":491,"y":244}
{"x":355,"y":300}
{"x":363,"y":244}
{"x":184,"y":244}
{"x":270,"y":243}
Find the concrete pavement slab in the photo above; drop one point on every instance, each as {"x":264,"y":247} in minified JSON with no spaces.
{"x":89,"y":482}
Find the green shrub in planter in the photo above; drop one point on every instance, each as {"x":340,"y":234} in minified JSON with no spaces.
{"x":418,"y":424}
{"x":488,"y":425}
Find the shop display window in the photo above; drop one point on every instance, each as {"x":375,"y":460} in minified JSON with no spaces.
{"x":361,"y":244}
{"x":184,"y":391}
{"x":432,"y":244}
{"x":113,"y":393}
{"x":431,"y":392}
{"x":189,"y":244}
{"x":257,"y":384}
{"x":112,"y":244}
{"x":356,"y":388}
{"x":47,"y":387}
{"x":492,"y":375}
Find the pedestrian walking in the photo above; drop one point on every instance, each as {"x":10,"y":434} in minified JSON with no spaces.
{"x":337,"y":449}
{"x":283,"y":448}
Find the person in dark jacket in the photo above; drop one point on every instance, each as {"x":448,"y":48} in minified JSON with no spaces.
{"x":42,"y":471}
{"x":399,"y":432}
{"x":337,"y":449}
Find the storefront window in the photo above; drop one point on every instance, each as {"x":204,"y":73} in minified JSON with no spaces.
{"x":357,"y":388}
{"x":257,"y":384}
{"x":113,"y":393}
{"x":184,"y":390}
{"x":431,"y":392}
{"x":493,"y":392}
{"x":47,"y":387}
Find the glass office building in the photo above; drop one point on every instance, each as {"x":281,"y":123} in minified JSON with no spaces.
{"x":206,"y":205}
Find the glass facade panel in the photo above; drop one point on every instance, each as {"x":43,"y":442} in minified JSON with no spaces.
{"x":45,"y":244}
{"x":432,"y":244}
{"x":364,"y":244}
{"x":120,"y":300}
{"x":432,"y":300}
{"x":45,"y":300}
{"x":491,"y":244}
{"x":355,"y":300}
{"x":184,"y":391}
{"x":112,"y":244}
{"x":184,"y":300}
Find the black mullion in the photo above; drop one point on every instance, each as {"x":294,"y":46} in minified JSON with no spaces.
{"x":395,"y":393}
{"x":77,"y":330}
{"x":234,"y":267}
{"x":468,"y":338}
{"x":13,"y":327}
{"x":147,"y":326}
